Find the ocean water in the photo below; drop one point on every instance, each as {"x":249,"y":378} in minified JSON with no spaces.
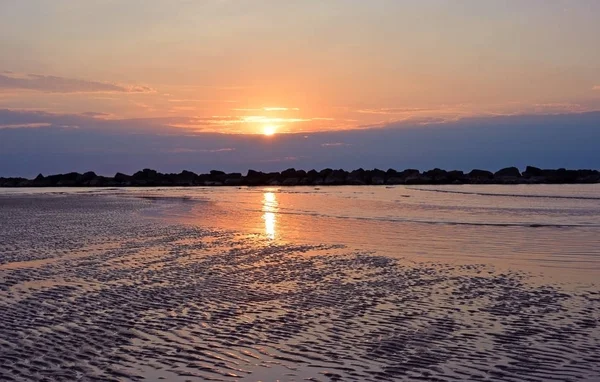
{"x":552,"y":230}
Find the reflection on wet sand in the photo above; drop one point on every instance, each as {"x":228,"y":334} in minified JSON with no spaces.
{"x":269,"y":209}
{"x":157,"y":300}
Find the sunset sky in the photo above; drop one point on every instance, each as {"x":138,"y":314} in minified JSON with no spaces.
{"x":197,"y":67}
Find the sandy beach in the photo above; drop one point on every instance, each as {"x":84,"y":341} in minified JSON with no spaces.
{"x":101,"y":288}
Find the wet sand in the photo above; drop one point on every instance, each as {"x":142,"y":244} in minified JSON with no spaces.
{"x":93,"y":289}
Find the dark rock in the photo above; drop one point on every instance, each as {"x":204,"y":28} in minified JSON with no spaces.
{"x":395,"y":180}
{"x":588,"y":176}
{"x":216,"y":173}
{"x":480,"y":176}
{"x":356,"y":177}
{"x":336,"y":177}
{"x":508,"y":172}
{"x":292,"y":177}
{"x":121,"y":178}
{"x":234,"y":181}
{"x":312,"y":174}
{"x":290,"y":182}
{"x":68,"y":180}
{"x":377,"y":180}
{"x":437,"y":176}
{"x":456,"y":177}
{"x":531,"y":172}
{"x":253,"y":173}
{"x":255,"y":178}
{"x":145,"y":174}
{"x":289,"y":173}
{"x":559,"y":176}
{"x":86,"y":177}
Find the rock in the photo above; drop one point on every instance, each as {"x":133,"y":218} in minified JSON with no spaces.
{"x":290,"y":182}
{"x":68,"y":180}
{"x":336,"y":177}
{"x":376,"y":176}
{"x":480,"y":176}
{"x":145,"y":174}
{"x":395,"y":180}
{"x":122,"y":178}
{"x":292,"y":177}
{"x":437,"y":176}
{"x":377,"y":180}
{"x":188,"y":177}
{"x":508,"y":172}
{"x":456,"y":177}
{"x":531,"y":172}
{"x":588,"y":176}
{"x":356,"y":177}
{"x":289,"y":173}
{"x":559,"y":176}
{"x":234,"y":181}
{"x":255,"y":178}
{"x":86,"y":177}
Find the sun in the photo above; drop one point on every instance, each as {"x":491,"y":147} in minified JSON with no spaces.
{"x":269,"y":130}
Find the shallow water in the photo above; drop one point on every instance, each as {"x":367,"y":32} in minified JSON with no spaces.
{"x":550,"y":230}
{"x":493,"y":283}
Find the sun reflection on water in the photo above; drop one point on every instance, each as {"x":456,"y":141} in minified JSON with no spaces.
{"x":269,"y":209}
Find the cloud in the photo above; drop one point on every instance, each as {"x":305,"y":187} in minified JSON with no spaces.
{"x":392,"y":110}
{"x":336,"y":144}
{"x":559,"y":107}
{"x":24,"y":125}
{"x":107,"y":146}
{"x":55,"y":84}
{"x":280,"y":108}
{"x":267,"y":109}
{"x":185,"y":150}
{"x":597,"y":87}
{"x":94,"y":114}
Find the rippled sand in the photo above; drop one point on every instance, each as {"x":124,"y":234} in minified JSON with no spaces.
{"x":91,"y":290}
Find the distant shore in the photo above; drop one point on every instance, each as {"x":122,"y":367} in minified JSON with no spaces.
{"x":326,"y":177}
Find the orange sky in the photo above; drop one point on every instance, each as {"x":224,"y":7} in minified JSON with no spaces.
{"x":249,"y":65}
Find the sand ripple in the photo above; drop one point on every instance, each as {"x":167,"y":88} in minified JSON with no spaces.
{"x":92,"y":292}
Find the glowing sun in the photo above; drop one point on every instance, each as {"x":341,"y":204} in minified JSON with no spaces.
{"x":269,"y":130}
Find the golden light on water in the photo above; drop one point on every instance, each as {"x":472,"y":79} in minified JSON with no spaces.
{"x":269,"y":209}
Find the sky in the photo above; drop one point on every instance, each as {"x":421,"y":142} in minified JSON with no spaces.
{"x":232,"y":84}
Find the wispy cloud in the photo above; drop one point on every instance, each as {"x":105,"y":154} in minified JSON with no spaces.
{"x":559,"y":107}
{"x":280,"y":108}
{"x":336,"y":144}
{"x":221,"y":121}
{"x":24,"y":125}
{"x":268,"y":109}
{"x":184,"y":150}
{"x":55,"y":84}
{"x":193,"y":100}
{"x":392,"y":110}
{"x":93,"y":114}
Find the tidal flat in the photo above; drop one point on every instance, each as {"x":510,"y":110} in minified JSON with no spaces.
{"x":98,"y":287}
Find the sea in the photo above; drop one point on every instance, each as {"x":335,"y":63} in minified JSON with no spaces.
{"x":551,"y":230}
